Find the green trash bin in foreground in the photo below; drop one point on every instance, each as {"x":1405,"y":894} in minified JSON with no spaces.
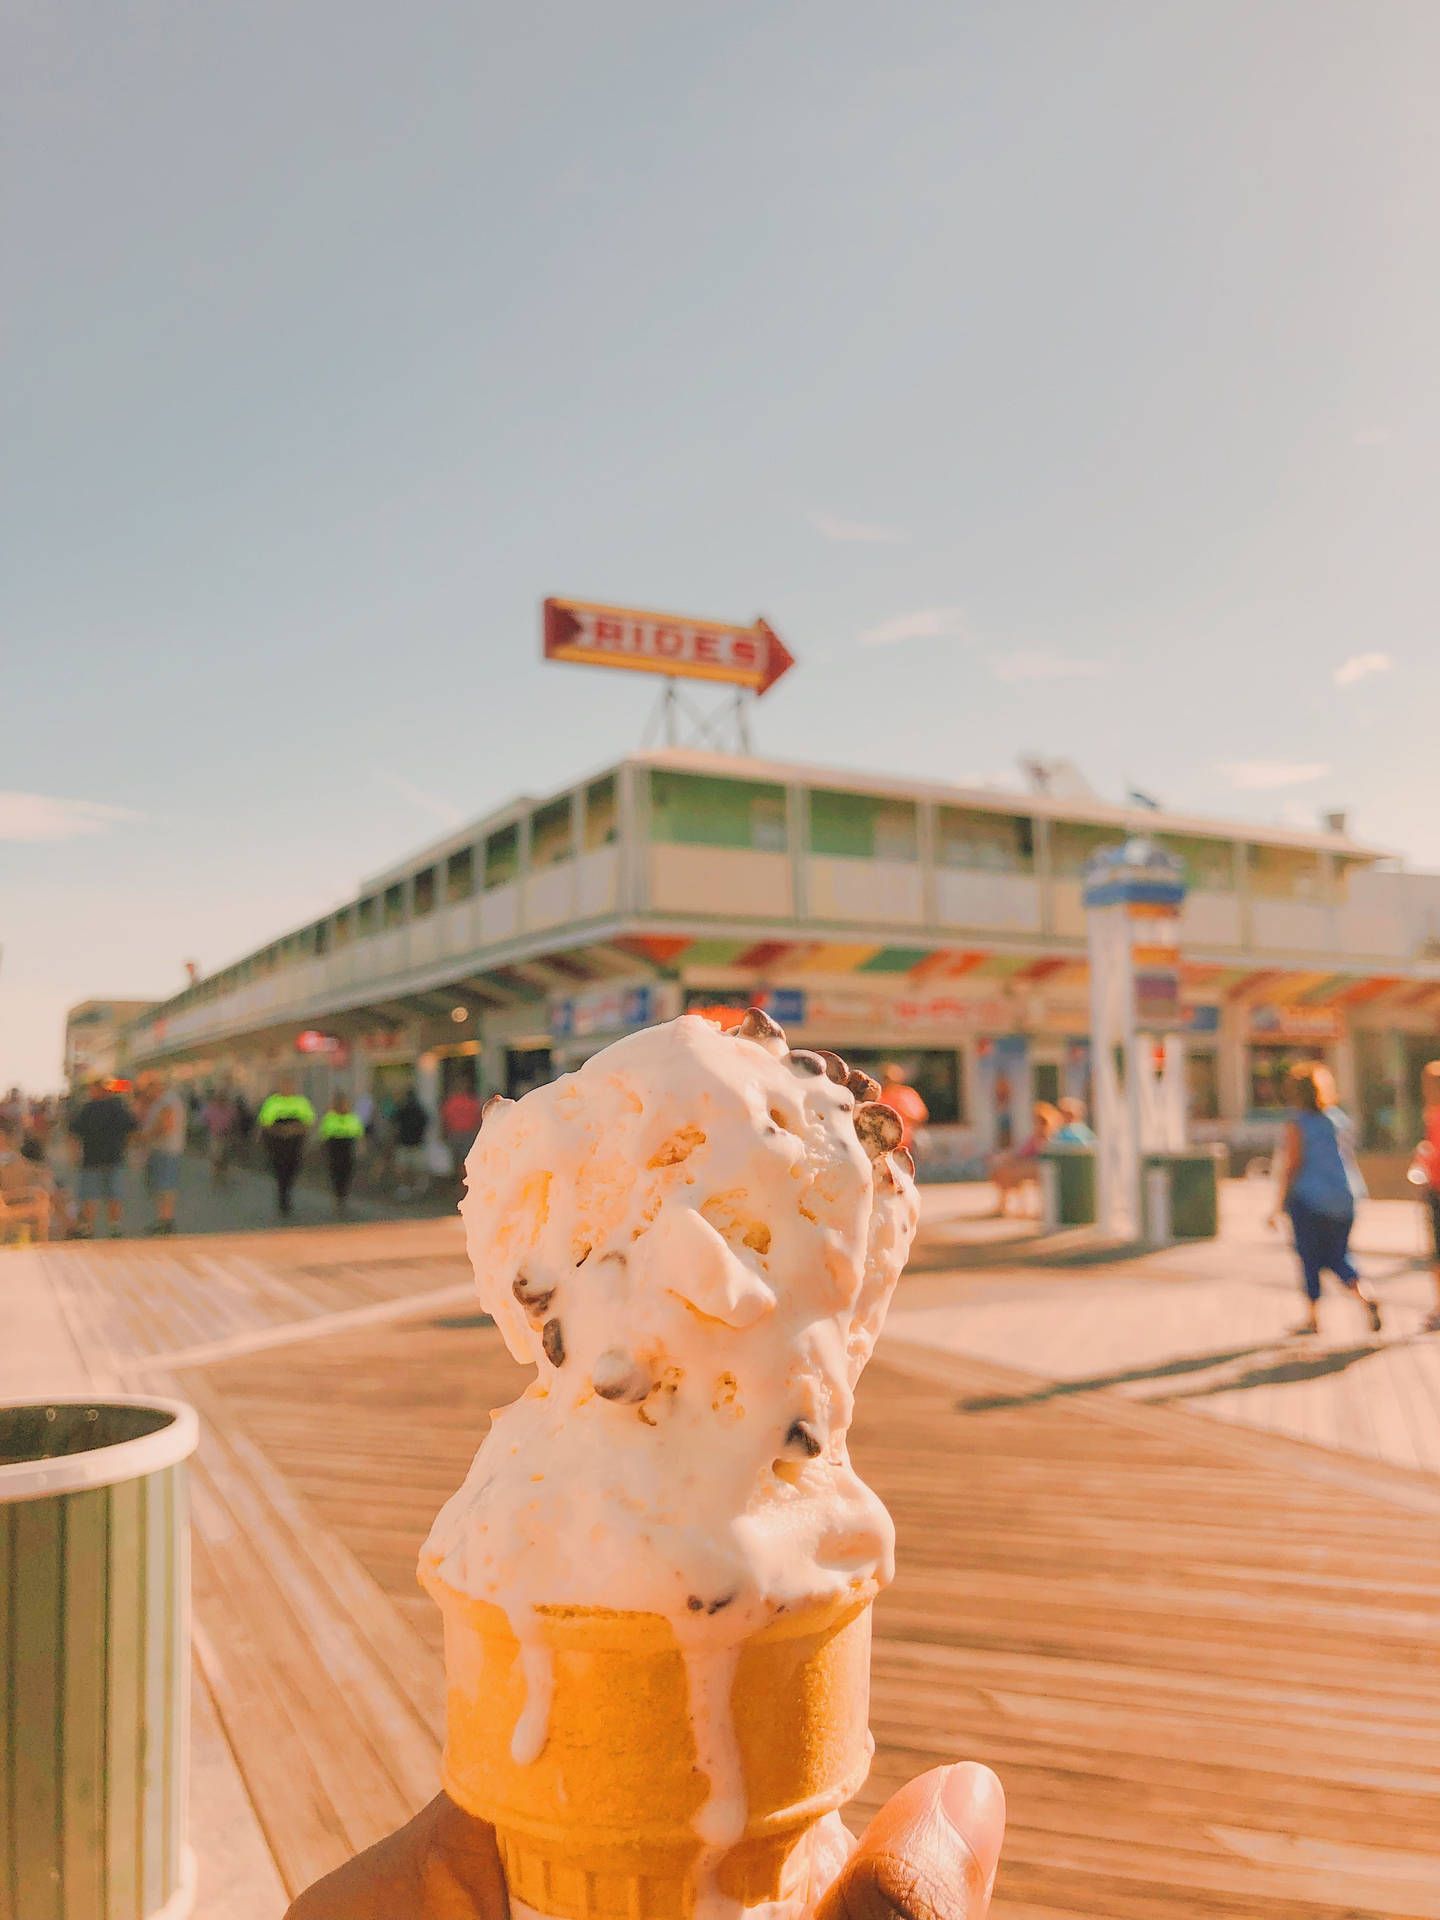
{"x":95,"y":1659}
{"x":1069,"y":1184}
{"x":1180,"y":1193}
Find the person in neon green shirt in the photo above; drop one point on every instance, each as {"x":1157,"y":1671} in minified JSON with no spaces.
{"x":284,"y":1121}
{"x":341,"y":1131}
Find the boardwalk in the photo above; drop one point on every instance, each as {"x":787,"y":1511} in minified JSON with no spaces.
{"x":1202,"y":1656}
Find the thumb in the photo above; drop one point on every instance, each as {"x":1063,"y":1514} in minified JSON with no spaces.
{"x":929,"y":1854}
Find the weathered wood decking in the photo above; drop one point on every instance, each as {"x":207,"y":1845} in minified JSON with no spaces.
{"x":1206,"y":1661}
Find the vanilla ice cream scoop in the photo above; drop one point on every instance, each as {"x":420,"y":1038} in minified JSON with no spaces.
{"x":694,"y":1239}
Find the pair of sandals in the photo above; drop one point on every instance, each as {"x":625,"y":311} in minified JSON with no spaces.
{"x":1308,"y":1330}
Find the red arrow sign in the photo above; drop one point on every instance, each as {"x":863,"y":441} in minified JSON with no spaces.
{"x":602,"y":636}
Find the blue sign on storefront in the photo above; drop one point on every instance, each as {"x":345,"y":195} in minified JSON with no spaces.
{"x":606,"y":1010}
{"x":785,"y":1004}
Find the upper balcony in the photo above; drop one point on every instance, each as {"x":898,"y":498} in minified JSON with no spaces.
{"x":700,"y":841}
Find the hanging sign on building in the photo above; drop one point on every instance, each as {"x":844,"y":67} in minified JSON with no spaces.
{"x":312,"y":1041}
{"x":1307,"y":1026}
{"x":604,"y":1010}
{"x":752,"y":657}
{"x":784,"y":1004}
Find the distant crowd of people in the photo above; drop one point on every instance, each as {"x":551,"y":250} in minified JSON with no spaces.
{"x":114,"y":1131}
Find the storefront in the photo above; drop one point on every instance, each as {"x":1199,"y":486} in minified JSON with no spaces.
{"x":1279,"y":1038}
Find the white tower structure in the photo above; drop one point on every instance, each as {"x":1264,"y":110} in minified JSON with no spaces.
{"x":1133,"y":896}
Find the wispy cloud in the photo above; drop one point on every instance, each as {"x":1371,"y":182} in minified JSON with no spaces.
{"x":1360,"y":666}
{"x":1264,"y":776}
{"x":45,"y":816}
{"x":1375,"y":436}
{"x":1039,"y":663}
{"x":435,"y":804}
{"x":862,"y":532}
{"x":925,"y":623}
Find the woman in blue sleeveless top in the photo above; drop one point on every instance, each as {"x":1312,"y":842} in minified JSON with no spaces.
{"x":1319,"y":1185}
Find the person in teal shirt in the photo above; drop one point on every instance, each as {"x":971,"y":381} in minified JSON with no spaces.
{"x":341,"y":1131}
{"x":284,"y":1121}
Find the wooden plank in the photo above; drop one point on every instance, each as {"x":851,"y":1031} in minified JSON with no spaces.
{"x":35,"y":1757}
{"x":86,"y":1567}
{"x":238,"y":1878}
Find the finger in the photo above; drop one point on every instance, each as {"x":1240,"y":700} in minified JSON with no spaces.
{"x":929,"y":1854}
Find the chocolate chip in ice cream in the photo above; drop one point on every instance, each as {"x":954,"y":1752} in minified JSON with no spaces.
{"x":803,"y":1061}
{"x":862,"y":1086}
{"x":804,"y":1436}
{"x":757,"y":1025}
{"x":835,"y":1067}
{"x":531,"y":1294}
{"x":880,"y":1128}
{"x":619,"y":1376}
{"x":695,"y":1603}
{"x":717,"y":1606}
{"x":552,"y":1338}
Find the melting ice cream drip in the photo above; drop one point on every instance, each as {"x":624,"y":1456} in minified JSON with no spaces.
{"x":694,"y":1239}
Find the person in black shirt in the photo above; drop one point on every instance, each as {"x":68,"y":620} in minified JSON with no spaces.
{"x":412,"y":1123}
{"x":102,"y":1128}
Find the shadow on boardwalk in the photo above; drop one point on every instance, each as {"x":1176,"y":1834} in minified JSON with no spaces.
{"x":1313,"y":1365}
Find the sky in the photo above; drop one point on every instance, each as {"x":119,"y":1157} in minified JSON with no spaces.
{"x":1057,"y":376}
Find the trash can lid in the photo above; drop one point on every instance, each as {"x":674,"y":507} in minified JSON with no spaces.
{"x":52,"y":1447}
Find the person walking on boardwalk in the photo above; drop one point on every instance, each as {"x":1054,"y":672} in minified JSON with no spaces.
{"x":162,"y":1129}
{"x":1318,"y":1185}
{"x":460,"y":1122}
{"x":341,"y":1131}
{"x":220,"y":1117}
{"x":102,"y":1126}
{"x":412,"y":1123}
{"x":284,"y":1120}
{"x":1425,"y":1172}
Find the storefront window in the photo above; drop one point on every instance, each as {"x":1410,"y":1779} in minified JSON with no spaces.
{"x":1202,"y":1085}
{"x":984,"y":842}
{"x":689,"y":809}
{"x":550,"y":835}
{"x":394,"y":909}
{"x":860,"y":826}
{"x":527,"y":1068}
{"x":460,"y":875}
{"x":601,"y":818}
{"x":424,"y":895}
{"x":367,"y":916}
{"x":934,"y":1072}
{"x":342,"y":928}
{"x":1270,"y":1065}
{"x":502,"y":857}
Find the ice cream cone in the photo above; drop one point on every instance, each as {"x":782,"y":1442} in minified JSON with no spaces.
{"x":601,"y":1824}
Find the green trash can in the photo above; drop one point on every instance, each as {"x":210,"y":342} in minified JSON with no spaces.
{"x":95,"y":1658}
{"x":1068,"y":1175}
{"x":1189,"y":1197}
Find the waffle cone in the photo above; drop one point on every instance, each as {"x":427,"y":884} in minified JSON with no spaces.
{"x":601,"y":1826}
